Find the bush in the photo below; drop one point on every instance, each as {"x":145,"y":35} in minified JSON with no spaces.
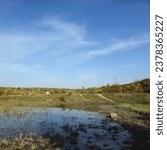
{"x":62,"y":98}
{"x":69,"y":93}
{"x":98,"y":90}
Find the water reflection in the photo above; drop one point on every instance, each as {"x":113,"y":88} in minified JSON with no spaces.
{"x":69,"y":128}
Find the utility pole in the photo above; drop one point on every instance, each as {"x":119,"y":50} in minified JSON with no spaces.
{"x":115,"y":80}
{"x":134,"y":79}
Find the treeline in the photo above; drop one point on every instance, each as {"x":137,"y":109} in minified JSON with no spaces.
{"x":142,"y":86}
{"x":30,"y":91}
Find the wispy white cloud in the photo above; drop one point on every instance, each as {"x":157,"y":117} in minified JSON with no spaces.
{"x":118,"y":45}
{"x":55,"y":43}
{"x":59,"y":41}
{"x":64,"y":29}
{"x":50,"y":35}
{"x":27,"y":52}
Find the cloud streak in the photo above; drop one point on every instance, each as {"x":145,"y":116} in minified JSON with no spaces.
{"x":47,"y":46}
{"x":118,"y":45}
{"x":50,"y":35}
{"x":60,"y":41}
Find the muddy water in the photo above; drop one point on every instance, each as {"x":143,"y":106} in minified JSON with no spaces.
{"x":70,"y":129}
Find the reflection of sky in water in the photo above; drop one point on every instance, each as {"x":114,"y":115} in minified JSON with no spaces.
{"x":92,"y":127}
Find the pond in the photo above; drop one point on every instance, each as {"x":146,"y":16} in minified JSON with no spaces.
{"x":71,"y":129}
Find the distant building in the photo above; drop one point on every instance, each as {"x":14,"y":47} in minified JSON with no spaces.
{"x":47,"y":92}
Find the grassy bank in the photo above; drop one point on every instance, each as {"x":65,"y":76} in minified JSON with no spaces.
{"x":130,"y":101}
{"x":125,"y":105}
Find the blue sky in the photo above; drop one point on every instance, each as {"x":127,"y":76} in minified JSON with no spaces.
{"x":73,"y":43}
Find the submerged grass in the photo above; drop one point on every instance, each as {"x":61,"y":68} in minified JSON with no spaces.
{"x":20,"y":142}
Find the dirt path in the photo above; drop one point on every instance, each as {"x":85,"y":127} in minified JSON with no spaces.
{"x":86,"y":99}
{"x":105,"y":98}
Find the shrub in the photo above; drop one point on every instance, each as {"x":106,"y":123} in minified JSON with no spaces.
{"x":69,"y":93}
{"x":62,"y":98}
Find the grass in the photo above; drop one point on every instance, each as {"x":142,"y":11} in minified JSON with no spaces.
{"x":76,"y":100}
{"x":30,"y":141}
{"x":137,"y":107}
{"x":128,"y":107}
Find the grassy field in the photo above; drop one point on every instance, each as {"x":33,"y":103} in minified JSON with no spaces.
{"x":128,"y":100}
{"x":139,"y":101}
{"x":120,"y":103}
{"x":131,"y":106}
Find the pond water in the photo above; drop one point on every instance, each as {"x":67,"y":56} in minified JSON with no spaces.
{"x":72,"y":129}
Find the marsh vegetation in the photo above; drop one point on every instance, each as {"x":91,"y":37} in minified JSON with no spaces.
{"x":47,"y":118}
